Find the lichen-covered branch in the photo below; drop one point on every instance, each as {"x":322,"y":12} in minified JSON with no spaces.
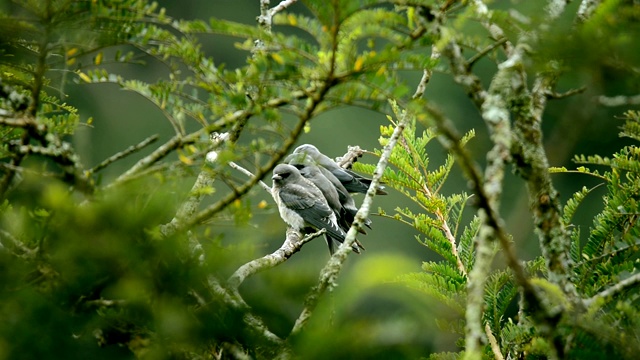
{"x":495,"y":347}
{"x":495,"y":113}
{"x":532,"y":163}
{"x":426,"y":75}
{"x":631,"y":281}
{"x":619,"y":100}
{"x":231,"y":298}
{"x":293,"y":243}
{"x":451,"y":141}
{"x":24,"y":251}
{"x":586,"y":9}
{"x":496,"y":116}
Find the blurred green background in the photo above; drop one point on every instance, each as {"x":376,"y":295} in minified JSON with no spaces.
{"x":576,"y":125}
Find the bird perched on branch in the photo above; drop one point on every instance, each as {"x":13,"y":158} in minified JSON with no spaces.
{"x":354,"y":183}
{"x":302,"y":205}
{"x":337,"y":196}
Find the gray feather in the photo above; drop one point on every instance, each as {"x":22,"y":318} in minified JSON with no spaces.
{"x":352,"y":182}
{"x":302,"y":204}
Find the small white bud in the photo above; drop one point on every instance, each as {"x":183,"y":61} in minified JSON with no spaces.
{"x":212,"y":156}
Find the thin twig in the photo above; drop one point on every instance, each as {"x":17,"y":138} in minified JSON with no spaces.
{"x":556,"y":95}
{"x":126,"y":152}
{"x":623,"y":285}
{"x":281,"y":6}
{"x":177,"y":142}
{"x":484,"y":52}
{"x":619,"y":100}
{"x":26,"y":252}
{"x":426,"y":74}
{"x":493,"y":29}
{"x":266,"y":187}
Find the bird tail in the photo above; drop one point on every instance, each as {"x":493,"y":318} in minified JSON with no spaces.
{"x":330,"y":243}
{"x":346,"y":219}
{"x":333,"y":242}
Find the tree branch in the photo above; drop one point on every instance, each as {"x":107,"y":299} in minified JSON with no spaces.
{"x":281,"y":6}
{"x":266,"y":187}
{"x":533,"y":164}
{"x":451,"y":141}
{"x":619,"y":100}
{"x":472,"y":60}
{"x":25,"y":251}
{"x":179,"y":141}
{"x":426,"y":74}
{"x":235,"y":301}
{"x":633,"y":280}
{"x":293,"y":243}
{"x":586,"y":9}
{"x":496,"y":115}
{"x":495,"y":347}
{"x":126,"y":152}
{"x":552,"y":95}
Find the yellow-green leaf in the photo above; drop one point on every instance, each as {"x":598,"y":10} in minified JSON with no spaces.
{"x":292,"y":20}
{"x":358,"y":65}
{"x":185,"y":160}
{"x":84,"y":77}
{"x":277,"y":58}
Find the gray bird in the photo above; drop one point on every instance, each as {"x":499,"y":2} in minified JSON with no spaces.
{"x":302,"y":205}
{"x":354,"y":183}
{"x":337,"y":196}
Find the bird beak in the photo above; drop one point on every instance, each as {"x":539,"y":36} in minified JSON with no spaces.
{"x":276,"y":177}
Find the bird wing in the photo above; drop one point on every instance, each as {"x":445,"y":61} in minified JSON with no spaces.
{"x":366,"y":182}
{"x":311,"y":208}
{"x":351,"y":183}
{"x":313,"y":174}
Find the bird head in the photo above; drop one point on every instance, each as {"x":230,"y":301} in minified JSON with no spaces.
{"x":282,"y":172}
{"x":300,"y":159}
{"x":307,"y":149}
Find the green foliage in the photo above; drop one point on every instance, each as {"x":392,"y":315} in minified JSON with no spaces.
{"x":609,"y":253}
{"x":439,"y":215}
{"x":133,"y":266}
{"x":101,"y":274}
{"x":611,"y":246}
